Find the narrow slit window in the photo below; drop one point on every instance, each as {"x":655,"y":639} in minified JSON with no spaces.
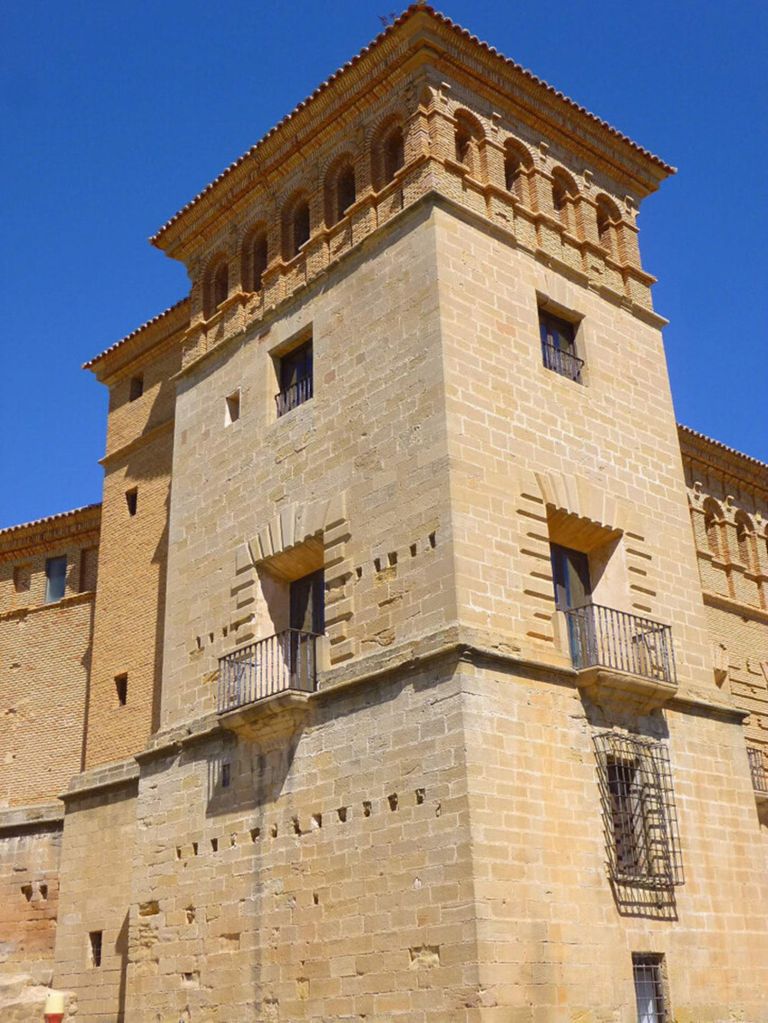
{"x":95,"y":944}
{"x":132,"y":500}
{"x":121,"y":689}
{"x":232,"y":408}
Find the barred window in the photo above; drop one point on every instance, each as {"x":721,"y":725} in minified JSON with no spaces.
{"x":649,"y":988}
{"x":639,"y":814}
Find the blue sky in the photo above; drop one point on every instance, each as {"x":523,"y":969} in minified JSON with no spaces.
{"x":114,"y":115}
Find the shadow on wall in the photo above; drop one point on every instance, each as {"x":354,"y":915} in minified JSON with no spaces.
{"x":121,"y":948}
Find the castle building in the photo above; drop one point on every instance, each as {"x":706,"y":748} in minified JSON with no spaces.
{"x":415,"y":665}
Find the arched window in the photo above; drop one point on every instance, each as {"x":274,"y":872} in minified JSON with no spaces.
{"x":712,"y":528}
{"x":255,"y":259}
{"x":346,"y":191}
{"x":392,"y":154}
{"x":564,"y":195}
{"x":607,"y":218}
{"x":468,"y":134}
{"x":516,"y":164}
{"x":215,"y":287}
{"x":744,"y":540}
{"x":296,"y":226}
{"x":340,"y":190}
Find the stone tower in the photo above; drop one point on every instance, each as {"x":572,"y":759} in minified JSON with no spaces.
{"x":406,"y":707}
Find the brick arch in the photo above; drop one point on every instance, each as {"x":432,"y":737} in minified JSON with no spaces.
{"x":343,"y":162}
{"x":212,"y":281}
{"x":608,"y":221}
{"x":380,"y":133}
{"x":566,"y":200}
{"x":518,"y":164}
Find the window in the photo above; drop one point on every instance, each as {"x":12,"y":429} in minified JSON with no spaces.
{"x":225,"y":775}
{"x":255,"y":260}
{"x":712,"y":527}
{"x":95,"y":942}
{"x":468,"y":135}
{"x":393,"y":154}
{"x":232,"y":408}
{"x":558,"y":346}
{"x":307,"y":619}
{"x":564,"y":194}
{"x":647,"y":970}
{"x":121,"y":689}
{"x":132,"y":500}
{"x":55,"y":578}
{"x":300,"y":225}
{"x":639,"y":812}
{"x":136,"y":387}
{"x":516,"y":164}
{"x":215,"y":288}
{"x":570,"y":575}
{"x":89,"y":559}
{"x":744,"y":540}
{"x":608,"y":217}
{"x":345,"y":191}
{"x":295,"y":372}
{"x":22,"y":578}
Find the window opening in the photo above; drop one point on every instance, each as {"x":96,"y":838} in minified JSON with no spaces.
{"x":232,"y":408}
{"x":136,"y":388}
{"x":648,"y":976}
{"x":393,"y":153}
{"x":345,"y":191}
{"x":95,"y":940}
{"x":639,"y":812}
{"x":300,"y":226}
{"x":55,"y":578}
{"x":307,"y":620}
{"x":220,"y":285}
{"x":258,"y":261}
{"x":296,"y":383}
{"x":132,"y":500}
{"x":558,"y":346}
{"x":121,"y":689}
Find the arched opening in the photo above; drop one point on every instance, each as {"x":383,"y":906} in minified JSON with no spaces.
{"x":346,"y":191}
{"x":392,"y":154}
{"x":744,"y":534}
{"x":255,"y":260}
{"x":516,"y":164}
{"x":564,"y":196}
{"x":468,"y":134}
{"x":296,"y":226}
{"x":215,"y":287}
{"x":607,"y":219}
{"x":712,"y":528}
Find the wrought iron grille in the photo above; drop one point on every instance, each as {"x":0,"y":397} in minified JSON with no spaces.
{"x":758,"y":769}
{"x":294,"y":396}
{"x":562,"y":361}
{"x":642,"y":838}
{"x":604,"y":637}
{"x":649,"y":988}
{"x":273,"y":665}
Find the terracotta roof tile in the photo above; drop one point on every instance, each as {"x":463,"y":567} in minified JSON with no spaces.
{"x":405,"y":16}
{"x":155,"y":319}
{"x":48,"y":519}
{"x":722,"y":447}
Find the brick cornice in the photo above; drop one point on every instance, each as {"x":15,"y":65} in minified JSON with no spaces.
{"x":42,"y":534}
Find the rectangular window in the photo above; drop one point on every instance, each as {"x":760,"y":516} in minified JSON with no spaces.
{"x":570,"y":575}
{"x":295,"y":373}
{"x":307,"y":619}
{"x":136,"y":388}
{"x":639,"y":813}
{"x":121,"y":689}
{"x":95,"y":939}
{"x":558,"y":346}
{"x":647,"y":969}
{"x":55,"y":578}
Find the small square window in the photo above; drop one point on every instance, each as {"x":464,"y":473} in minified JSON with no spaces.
{"x":95,"y":942}
{"x":55,"y":579}
{"x":296,"y":383}
{"x":232,"y":408}
{"x":558,"y":346}
{"x":648,"y":973}
{"x":136,"y":387}
{"x":121,"y":689}
{"x":132,"y":500}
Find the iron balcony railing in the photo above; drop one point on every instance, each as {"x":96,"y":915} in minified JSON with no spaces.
{"x":562,"y":362}
{"x":758,"y":769}
{"x":277,"y":664}
{"x":294,"y":396}
{"x":604,"y":637}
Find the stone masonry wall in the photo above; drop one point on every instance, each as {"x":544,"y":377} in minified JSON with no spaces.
{"x":371,"y":439}
{"x":330,"y":879}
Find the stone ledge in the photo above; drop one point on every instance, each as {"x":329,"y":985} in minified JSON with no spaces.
{"x":123,"y":772}
{"x":633,"y":692}
{"x":19,"y":817}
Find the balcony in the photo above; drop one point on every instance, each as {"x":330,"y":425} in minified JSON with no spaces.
{"x":293,"y":396}
{"x":562,"y":361}
{"x":621,"y":655}
{"x":282,"y":665}
{"x":759,"y":770}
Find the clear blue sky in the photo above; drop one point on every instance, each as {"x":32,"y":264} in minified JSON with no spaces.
{"x":114,"y":115}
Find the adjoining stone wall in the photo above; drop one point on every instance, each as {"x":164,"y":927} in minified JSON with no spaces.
{"x":330,"y":879}
{"x":96,"y":876}
{"x":29,"y":894}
